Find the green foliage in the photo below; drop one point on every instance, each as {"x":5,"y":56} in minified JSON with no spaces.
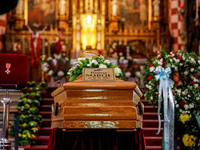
{"x":98,"y":62}
{"x":29,"y":118}
{"x":186,"y":92}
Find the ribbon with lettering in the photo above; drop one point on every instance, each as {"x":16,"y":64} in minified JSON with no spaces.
{"x":165,"y":88}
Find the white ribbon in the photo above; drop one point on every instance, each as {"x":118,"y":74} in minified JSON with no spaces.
{"x":165,"y":87}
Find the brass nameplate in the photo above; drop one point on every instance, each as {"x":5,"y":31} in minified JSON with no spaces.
{"x":98,"y":74}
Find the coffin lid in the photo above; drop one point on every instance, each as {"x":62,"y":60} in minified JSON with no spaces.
{"x":80,"y":85}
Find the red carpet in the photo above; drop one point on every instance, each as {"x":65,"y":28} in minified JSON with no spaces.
{"x":150,"y":125}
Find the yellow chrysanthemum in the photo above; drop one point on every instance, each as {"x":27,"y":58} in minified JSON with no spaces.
{"x":185,"y":117}
{"x":20,"y":134}
{"x":35,"y":129}
{"x":32,"y":135}
{"x":28,"y":134}
{"x":189,"y":140}
{"x":24,"y":125}
{"x":27,"y":105}
{"x":23,"y":136}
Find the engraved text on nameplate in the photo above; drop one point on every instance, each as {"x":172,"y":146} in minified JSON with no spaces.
{"x":98,"y":74}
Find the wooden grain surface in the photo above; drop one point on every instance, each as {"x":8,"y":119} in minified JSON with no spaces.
{"x":95,"y":85}
{"x":97,"y":105}
{"x":100,"y":113}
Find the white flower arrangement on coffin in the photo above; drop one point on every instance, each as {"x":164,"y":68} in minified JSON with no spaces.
{"x":56,"y":66}
{"x":98,"y":62}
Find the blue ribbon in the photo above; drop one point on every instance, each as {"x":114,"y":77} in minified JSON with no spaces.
{"x":165,"y":87}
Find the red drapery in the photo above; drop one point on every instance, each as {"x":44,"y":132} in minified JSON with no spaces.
{"x":96,"y":140}
{"x":58,"y":46}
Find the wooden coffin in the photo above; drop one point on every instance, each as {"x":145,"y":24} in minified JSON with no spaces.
{"x":96,"y":105}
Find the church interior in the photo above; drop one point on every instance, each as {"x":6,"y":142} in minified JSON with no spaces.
{"x":46,"y":47}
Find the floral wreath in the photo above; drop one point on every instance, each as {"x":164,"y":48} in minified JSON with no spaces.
{"x":97,"y":62}
{"x":185,"y":67}
{"x":56,"y":66}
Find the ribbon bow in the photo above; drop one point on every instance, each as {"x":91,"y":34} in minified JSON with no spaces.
{"x":165,"y":87}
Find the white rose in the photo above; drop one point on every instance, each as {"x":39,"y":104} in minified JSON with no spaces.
{"x":45,"y":64}
{"x":181,"y":64}
{"x":107,"y":61}
{"x":60,"y":73}
{"x":118,"y":71}
{"x":45,"y":69}
{"x":120,"y":54}
{"x":138,"y":74}
{"x":102,"y":66}
{"x":66,"y":59}
{"x":81,"y":59}
{"x":160,"y":62}
{"x":55,"y":62}
{"x":192,"y":69}
{"x":127,"y":74}
{"x":197,"y":98}
{"x":70,"y":70}
{"x":195,"y":80}
{"x":151,"y":97}
{"x":186,"y":107}
{"x":149,"y":87}
{"x":152,"y":69}
{"x":49,"y":58}
{"x":93,"y":61}
{"x":114,"y":45}
{"x":177,"y":105}
{"x":199,"y":61}
{"x":79,"y":63}
{"x":168,"y":65}
{"x":196,"y":85}
{"x":57,"y":56}
{"x":50,"y":72}
{"x":185,"y":73}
